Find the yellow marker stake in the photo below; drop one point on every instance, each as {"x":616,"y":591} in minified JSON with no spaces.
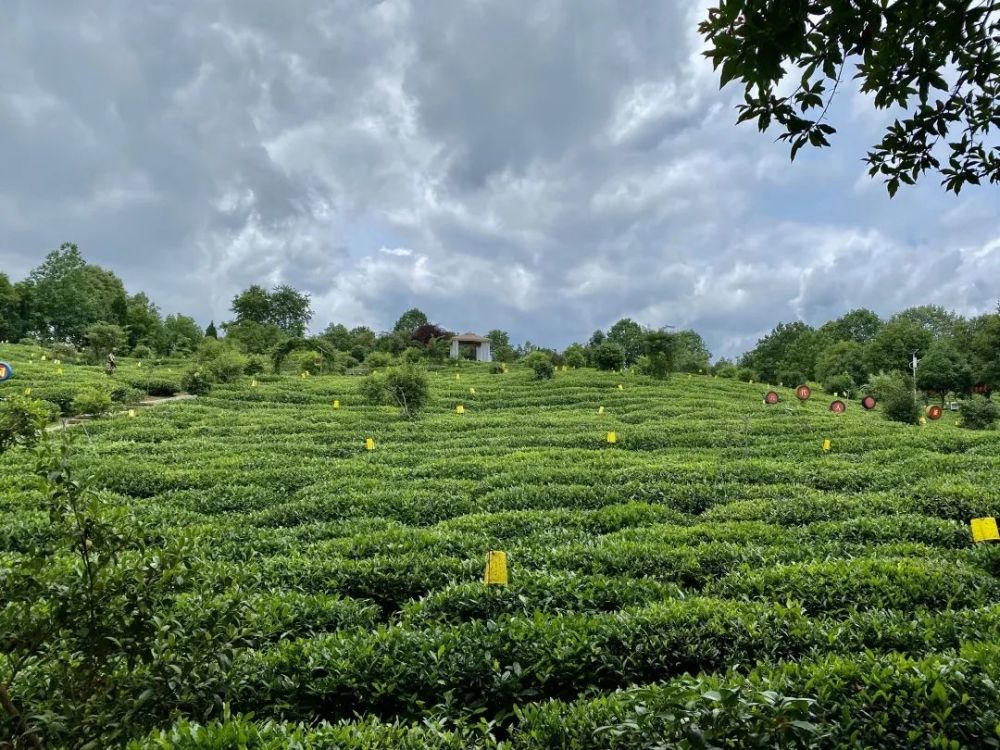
{"x":458,"y":376}
{"x":370,"y":444}
{"x":336,"y":404}
{"x":751,"y":381}
{"x":600,"y":409}
{"x":131,"y":412}
{"x":60,"y":371}
{"x":27,"y":391}
{"x":496,"y":569}
{"x":984,"y":530}
{"x":43,"y":358}
{"x":923,"y":421}
{"x":460,"y":409}
{"x":612,"y":437}
{"x":621,"y":387}
{"x":826,"y":445}
{"x":253,"y":383}
{"x":472,"y":391}
{"x":138,"y":364}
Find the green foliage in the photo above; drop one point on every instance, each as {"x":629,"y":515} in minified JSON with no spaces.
{"x":789,"y":348}
{"x":22,"y":421}
{"x":196,"y":382}
{"x":210,"y":330}
{"x":255,"y":365}
{"x":142,"y":352}
{"x":660,"y":350}
{"x":219,"y":362}
{"x":181,"y":335}
{"x":410,"y":321}
{"x":378,"y":361}
{"x":792,"y":378}
{"x":608,"y":356}
{"x":843,"y":357}
{"x":576,"y":356}
{"x":858,"y":326}
{"x":541,"y":365}
{"x":500,"y":346}
{"x":95,"y":402}
{"x":627,"y":334}
{"x":690,"y":352}
{"x":978,"y":413}
{"x":143,"y":323}
{"x":892,"y":349}
{"x":936,"y":63}
{"x":843,"y":384}
{"x":944,"y":369}
{"x":103,"y":339}
{"x":406,"y":387}
{"x":896,"y":398}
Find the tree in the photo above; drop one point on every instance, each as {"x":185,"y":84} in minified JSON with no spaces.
{"x":895,"y":395}
{"x":629,"y":336}
{"x":691,"y":354}
{"x":500,"y":346}
{"x":985,"y":349}
{"x":362,"y":342}
{"x":933,"y":318}
{"x":142,"y":322}
{"x":337,"y":336}
{"x":410,"y":321}
{"x":253,"y":304}
{"x":68,"y":296}
{"x":892,"y":350}
{"x":541,"y":364}
{"x":428,"y":332}
{"x":575,"y":356}
{"x":944,"y":369}
{"x":290,"y":310}
{"x":210,"y":331}
{"x":860,"y":325}
{"x":842,"y":358}
{"x":104,"y":338}
{"x":181,"y":334}
{"x":660,"y":349}
{"x":608,"y":356}
{"x":938,"y":60}
{"x":777,"y":352}
{"x":253,"y":337}
{"x":11,"y":325}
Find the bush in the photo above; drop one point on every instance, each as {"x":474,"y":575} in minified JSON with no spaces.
{"x":791,"y":378}
{"x":196,"y":382}
{"x":160,"y":386}
{"x":496,"y":368}
{"x":895,"y":395}
{"x":254,"y":366}
{"x":726,"y":371}
{"x":576,"y":356}
{"x":541,"y":364}
{"x":745,"y":375}
{"x":126,"y":394}
{"x":307,"y":361}
{"x":978,"y":413}
{"x":405,"y":387}
{"x":226,"y":366}
{"x":378,"y":361}
{"x":609,"y":356}
{"x":843,"y":384}
{"x":142,"y":352}
{"x":411,"y":355}
{"x":93,"y":401}
{"x":22,"y":421}
{"x":63,"y":352}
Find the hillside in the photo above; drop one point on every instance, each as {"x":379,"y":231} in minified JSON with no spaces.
{"x":712,"y":554}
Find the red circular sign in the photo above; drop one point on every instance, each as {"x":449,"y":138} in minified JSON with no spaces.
{"x":771,"y":398}
{"x":803,"y":392}
{"x":838,"y":407}
{"x":868,"y":402}
{"x":934,"y":412}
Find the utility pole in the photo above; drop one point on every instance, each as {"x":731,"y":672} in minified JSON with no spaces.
{"x":913,"y":363}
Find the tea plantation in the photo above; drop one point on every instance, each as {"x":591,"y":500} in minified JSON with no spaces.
{"x":714,"y":578}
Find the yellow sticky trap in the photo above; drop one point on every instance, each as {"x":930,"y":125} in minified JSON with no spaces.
{"x":826,"y":445}
{"x":564,"y":368}
{"x":923,"y":421}
{"x":472,"y":391}
{"x":458,"y":376}
{"x":27,"y":391}
{"x":621,"y":387}
{"x":59,"y":371}
{"x":43,"y":358}
{"x":253,"y":383}
{"x":131,"y":412}
{"x":302,"y":374}
{"x":460,"y":409}
{"x":496,"y":569}
{"x":336,"y":404}
{"x":600,"y":409}
{"x":689,"y":376}
{"x":751,"y":381}
{"x":612,"y":437}
{"x":370,"y":444}
{"x":984,"y":530}
{"x":138,"y":364}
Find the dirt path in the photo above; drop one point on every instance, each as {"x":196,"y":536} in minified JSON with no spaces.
{"x":145,"y":403}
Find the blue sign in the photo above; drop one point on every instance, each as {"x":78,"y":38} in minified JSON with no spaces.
{"x":6,"y":371}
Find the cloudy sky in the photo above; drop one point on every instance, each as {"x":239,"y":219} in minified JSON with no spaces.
{"x":544,"y":167}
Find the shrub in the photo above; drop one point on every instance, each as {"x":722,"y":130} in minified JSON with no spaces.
{"x":609,"y":356}
{"x":895,"y":395}
{"x":726,"y":371}
{"x":978,"y":413}
{"x":93,"y":401}
{"x":541,"y":364}
{"x":307,"y":361}
{"x":496,"y":368}
{"x":377,"y":361}
{"x":160,"y":387}
{"x":22,"y":421}
{"x":745,"y":375}
{"x":196,"y":382}
{"x":64,"y":352}
{"x":405,"y":387}
{"x":576,"y":356}
{"x":411,"y":355}
{"x":142,"y":352}
{"x":254,"y":365}
{"x":226,"y":366}
{"x":126,"y":394}
{"x":839,"y":384}
{"x":791,"y":378}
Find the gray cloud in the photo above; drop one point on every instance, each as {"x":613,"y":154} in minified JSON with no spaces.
{"x":546,"y":168}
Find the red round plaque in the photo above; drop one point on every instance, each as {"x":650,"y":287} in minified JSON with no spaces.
{"x":803,"y":392}
{"x":771,"y":398}
{"x":868,"y":403}
{"x":934,"y":412}
{"x":838,"y":407}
